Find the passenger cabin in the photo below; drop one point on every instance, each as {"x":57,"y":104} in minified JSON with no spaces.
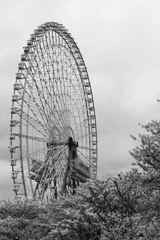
{"x":37,"y":170}
{"x":80,"y":170}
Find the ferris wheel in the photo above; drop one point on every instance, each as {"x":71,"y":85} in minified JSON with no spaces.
{"x":53,"y":134}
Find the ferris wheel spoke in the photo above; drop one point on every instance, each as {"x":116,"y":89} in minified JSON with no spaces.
{"x":79,"y":133}
{"x":58,"y":153}
{"x":50,"y":172}
{"x":86,"y":135}
{"x":37,"y":154}
{"x":40,"y":79}
{"x":32,"y":137}
{"x":27,"y":100}
{"x":36,"y":124}
{"x":73,"y":70}
{"x":43,"y":150}
{"x":61,"y":165}
{"x":58,"y":86}
{"x":57,"y":121}
{"x":61,"y":106}
{"x":42,"y":76}
{"x":41,"y":97}
{"x":66,"y":100}
{"x":31,"y":120}
{"x":55,"y":167}
{"x":34,"y":107}
{"x":72,"y":101}
{"x":84,"y":147}
{"x":84,"y":158}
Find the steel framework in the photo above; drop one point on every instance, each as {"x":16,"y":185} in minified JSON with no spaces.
{"x":53,"y":134}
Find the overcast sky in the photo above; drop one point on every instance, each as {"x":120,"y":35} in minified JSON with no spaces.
{"x":120,"y":44}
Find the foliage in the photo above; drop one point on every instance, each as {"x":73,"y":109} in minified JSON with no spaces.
{"x":117,"y":208}
{"x":147,"y":156}
{"x":23,"y":219}
{"x":125,"y":207}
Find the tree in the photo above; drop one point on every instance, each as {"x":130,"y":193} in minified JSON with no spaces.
{"x":147,"y":156}
{"x":126,"y":206}
{"x":73,"y":218}
{"x":23,"y":219}
{"x":118,"y":208}
{"x":110,"y":210}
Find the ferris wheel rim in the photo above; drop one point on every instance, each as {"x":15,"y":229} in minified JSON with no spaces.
{"x":63,"y":33}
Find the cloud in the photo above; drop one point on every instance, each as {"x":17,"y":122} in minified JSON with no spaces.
{"x":119,"y":41}
{"x":5,"y":180}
